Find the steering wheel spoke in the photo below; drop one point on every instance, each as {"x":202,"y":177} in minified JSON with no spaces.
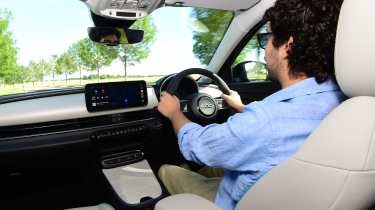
{"x":184,"y":105}
{"x":221,"y":104}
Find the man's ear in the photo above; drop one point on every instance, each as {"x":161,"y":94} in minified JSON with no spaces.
{"x":287,"y":47}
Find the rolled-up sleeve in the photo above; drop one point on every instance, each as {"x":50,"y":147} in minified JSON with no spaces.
{"x":239,"y":144}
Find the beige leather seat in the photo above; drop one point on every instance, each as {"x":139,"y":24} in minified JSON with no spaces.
{"x":335,"y":168}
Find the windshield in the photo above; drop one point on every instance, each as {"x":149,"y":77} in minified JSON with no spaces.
{"x":44,"y":45}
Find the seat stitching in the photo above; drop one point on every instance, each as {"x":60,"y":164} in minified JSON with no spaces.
{"x":341,"y":191}
{"x":332,"y":167}
{"x":370,"y":146}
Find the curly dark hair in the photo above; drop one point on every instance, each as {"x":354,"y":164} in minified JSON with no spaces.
{"x":312,"y":24}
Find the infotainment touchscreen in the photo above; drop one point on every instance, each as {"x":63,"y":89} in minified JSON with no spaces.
{"x":115,"y":95}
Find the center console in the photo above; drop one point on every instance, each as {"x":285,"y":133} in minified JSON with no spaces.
{"x":133,"y":183}
{"x":123,"y":162}
{"x":121,"y":144}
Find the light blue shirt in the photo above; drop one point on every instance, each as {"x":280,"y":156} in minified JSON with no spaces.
{"x":267,"y":132}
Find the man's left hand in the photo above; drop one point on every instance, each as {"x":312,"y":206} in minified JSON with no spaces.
{"x":169,"y":105}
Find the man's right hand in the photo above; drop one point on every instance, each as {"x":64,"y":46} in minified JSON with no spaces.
{"x":234,"y":101}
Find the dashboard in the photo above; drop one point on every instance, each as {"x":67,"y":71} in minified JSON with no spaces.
{"x":73,"y":106}
{"x":57,"y":108}
{"x":64,"y":113}
{"x":60,"y":130}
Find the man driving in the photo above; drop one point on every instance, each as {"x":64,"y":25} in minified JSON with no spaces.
{"x":299,"y":51}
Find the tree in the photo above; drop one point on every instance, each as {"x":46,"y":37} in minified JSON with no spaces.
{"x":252,"y":45}
{"x":95,"y":56}
{"x":78,"y":52}
{"x":58,"y":65}
{"x":207,"y":41}
{"x":132,"y":54}
{"x":45,"y":67}
{"x":66,"y":64}
{"x":36,"y":73}
{"x":14,"y":76}
{"x":55,"y":69}
{"x":22,"y":74}
{"x":8,"y":52}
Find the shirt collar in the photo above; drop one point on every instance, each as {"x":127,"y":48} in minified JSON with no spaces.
{"x":305,"y":87}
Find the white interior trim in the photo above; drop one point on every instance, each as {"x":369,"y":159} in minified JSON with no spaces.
{"x":57,"y":108}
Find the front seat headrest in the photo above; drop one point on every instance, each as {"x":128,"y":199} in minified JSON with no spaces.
{"x":355,"y":45}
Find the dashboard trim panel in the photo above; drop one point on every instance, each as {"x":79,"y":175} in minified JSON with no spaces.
{"x":79,"y":129}
{"x":57,"y":108}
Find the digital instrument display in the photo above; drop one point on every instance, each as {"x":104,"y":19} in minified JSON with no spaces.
{"x":115,"y":95}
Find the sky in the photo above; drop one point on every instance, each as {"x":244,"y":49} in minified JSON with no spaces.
{"x":45,"y":27}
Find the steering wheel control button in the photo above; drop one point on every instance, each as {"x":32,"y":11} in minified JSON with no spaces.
{"x":206,"y":106}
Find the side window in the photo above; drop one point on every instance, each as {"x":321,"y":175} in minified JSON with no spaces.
{"x":251,"y":59}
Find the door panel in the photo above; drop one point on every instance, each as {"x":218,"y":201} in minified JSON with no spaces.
{"x":254,"y":90}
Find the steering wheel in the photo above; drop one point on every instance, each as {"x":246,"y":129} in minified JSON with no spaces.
{"x":200,"y":105}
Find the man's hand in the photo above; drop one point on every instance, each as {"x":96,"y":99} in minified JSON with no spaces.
{"x":169,"y":106}
{"x":234,"y":101}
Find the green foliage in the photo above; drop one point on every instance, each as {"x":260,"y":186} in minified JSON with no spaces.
{"x":22,"y":74}
{"x":92,"y":55}
{"x":35,"y":71}
{"x":78,"y":51}
{"x":67,"y":63}
{"x":252,"y":45}
{"x":257,"y":72}
{"x":83,"y":54}
{"x":8,"y":52}
{"x":19,"y":75}
{"x":206,"y":42}
{"x":55,"y":68}
{"x":45,"y":67}
{"x":137,"y":52}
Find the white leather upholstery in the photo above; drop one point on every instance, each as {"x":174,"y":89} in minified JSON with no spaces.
{"x":185,"y":202}
{"x":345,"y":139}
{"x":355,"y":48}
{"x":334,"y":169}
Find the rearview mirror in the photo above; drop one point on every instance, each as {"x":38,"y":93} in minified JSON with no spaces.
{"x":114,"y":36}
